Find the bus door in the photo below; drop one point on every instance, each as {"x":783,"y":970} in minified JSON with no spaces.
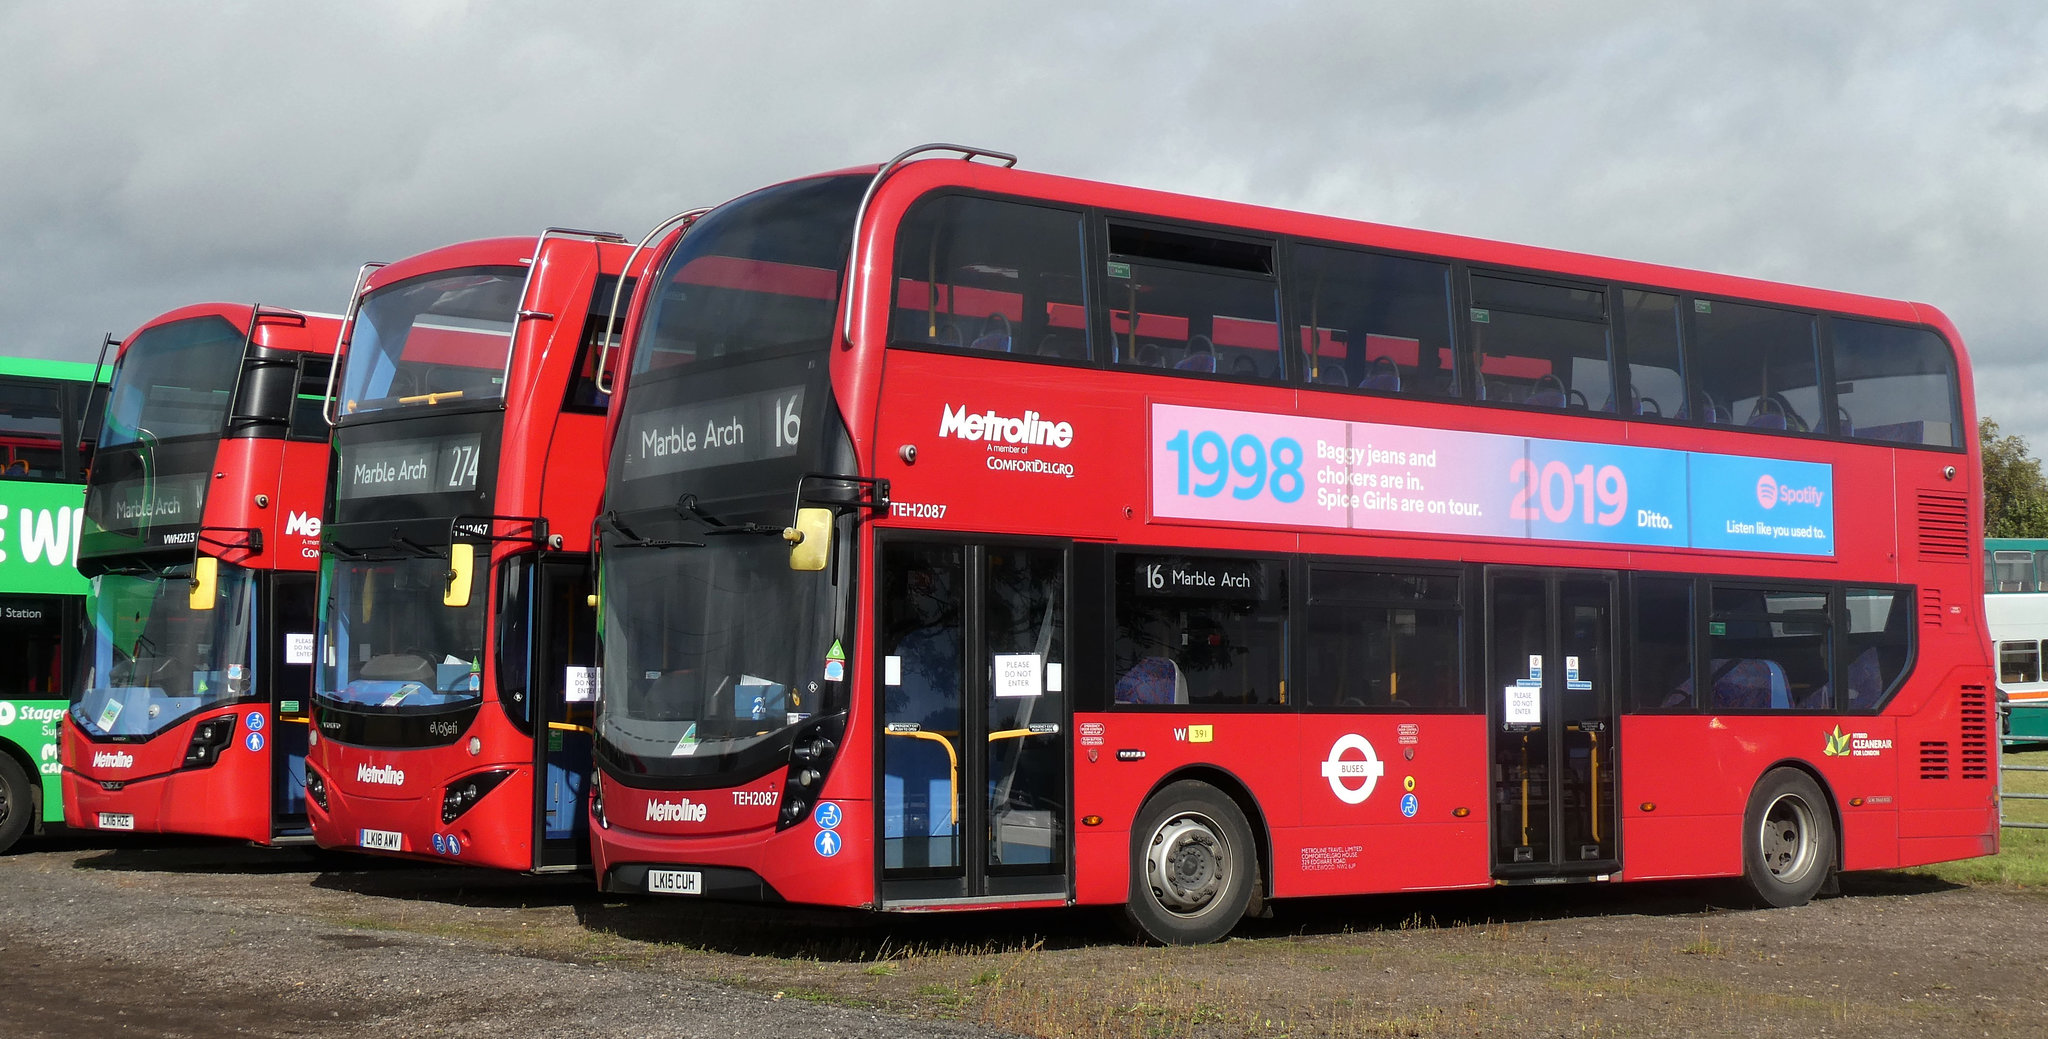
{"x":974,"y":712}
{"x":565,"y":689}
{"x":1550,"y":668}
{"x":293,"y":616}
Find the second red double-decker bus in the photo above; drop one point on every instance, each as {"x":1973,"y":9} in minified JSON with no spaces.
{"x":201,"y":542}
{"x":457,"y":659}
{"x":1176,"y":554}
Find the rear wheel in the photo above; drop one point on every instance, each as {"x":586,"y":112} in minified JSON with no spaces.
{"x":1788,"y":839}
{"x":17,"y":802}
{"x":1193,"y":866}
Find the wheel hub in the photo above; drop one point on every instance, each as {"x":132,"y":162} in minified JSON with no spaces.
{"x":1787,"y":838}
{"x":1187,"y":863}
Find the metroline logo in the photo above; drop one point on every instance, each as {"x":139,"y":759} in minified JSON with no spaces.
{"x":113,"y":759}
{"x":687,"y":811}
{"x":303,"y":524}
{"x":1032,"y":428}
{"x":382,"y":775}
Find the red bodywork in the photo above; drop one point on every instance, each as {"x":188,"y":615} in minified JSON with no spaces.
{"x":272,"y":485}
{"x":548,"y":467}
{"x":1683,"y":781}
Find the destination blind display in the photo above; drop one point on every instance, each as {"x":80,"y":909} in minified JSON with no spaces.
{"x":751,"y":427}
{"x":1307,"y":473}
{"x":144,"y":502}
{"x":1182,"y":577}
{"x":425,"y":465}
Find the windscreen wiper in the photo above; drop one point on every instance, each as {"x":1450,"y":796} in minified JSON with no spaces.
{"x":401,"y":547}
{"x":138,"y":568}
{"x":687,"y":507}
{"x":611,"y":519}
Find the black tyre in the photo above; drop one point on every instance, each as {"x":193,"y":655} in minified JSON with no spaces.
{"x":1788,"y":839}
{"x":17,"y":802}
{"x":1193,"y":866}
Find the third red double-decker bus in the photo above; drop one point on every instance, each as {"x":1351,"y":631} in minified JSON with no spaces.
{"x":201,"y":540}
{"x":457,"y":642}
{"x":1178,"y":554}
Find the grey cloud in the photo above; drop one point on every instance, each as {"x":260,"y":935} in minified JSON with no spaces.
{"x":159,"y":154}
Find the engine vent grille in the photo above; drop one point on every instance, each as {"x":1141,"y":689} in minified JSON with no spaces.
{"x":1933,"y":759}
{"x":1944,"y":525}
{"x":1930,"y":607}
{"x":1976,"y":741}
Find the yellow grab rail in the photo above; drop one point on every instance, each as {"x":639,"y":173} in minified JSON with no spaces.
{"x":952,"y":760}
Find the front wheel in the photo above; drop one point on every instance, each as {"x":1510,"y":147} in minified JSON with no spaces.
{"x":1193,"y":866}
{"x":1788,"y":842}
{"x":17,"y":802}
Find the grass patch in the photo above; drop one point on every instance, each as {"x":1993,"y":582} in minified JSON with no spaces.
{"x":1703,"y":945}
{"x":2022,"y":859}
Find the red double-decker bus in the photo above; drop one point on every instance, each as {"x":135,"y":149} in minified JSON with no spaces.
{"x":457,"y":660}
{"x":201,"y":538}
{"x":1180,"y":554}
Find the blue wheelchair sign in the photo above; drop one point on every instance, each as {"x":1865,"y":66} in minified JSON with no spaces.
{"x":827,"y":816}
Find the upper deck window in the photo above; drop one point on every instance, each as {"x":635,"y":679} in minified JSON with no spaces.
{"x":308,"y":420}
{"x":31,"y":429}
{"x":584,"y":394}
{"x":758,"y":275}
{"x":1541,"y":345}
{"x":1195,"y":304}
{"x":991,"y":275}
{"x":1650,"y":324}
{"x":2011,"y":571}
{"x":1755,"y":367}
{"x":441,"y":338}
{"x":1894,"y":383}
{"x":174,"y":380}
{"x":1373,"y":322}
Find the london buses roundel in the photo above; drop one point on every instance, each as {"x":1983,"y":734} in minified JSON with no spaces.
{"x":1352,"y":779}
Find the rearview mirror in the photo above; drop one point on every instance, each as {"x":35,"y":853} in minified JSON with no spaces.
{"x":205,"y":578}
{"x":461,"y":568}
{"x":810,"y":541}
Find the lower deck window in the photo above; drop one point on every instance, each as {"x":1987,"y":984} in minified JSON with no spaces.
{"x":1382,"y":641}
{"x":1198,"y":630}
{"x":2019,"y":662}
{"x":1769,"y":649}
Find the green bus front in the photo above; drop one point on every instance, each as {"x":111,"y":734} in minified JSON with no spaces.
{"x":47,"y":413}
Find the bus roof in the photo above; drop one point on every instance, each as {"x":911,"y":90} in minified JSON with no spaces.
{"x":916,"y":178}
{"x":45,"y":368}
{"x":2015,"y":544}
{"x":510,"y":251}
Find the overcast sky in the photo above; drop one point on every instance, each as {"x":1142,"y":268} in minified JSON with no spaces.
{"x":158,"y":154}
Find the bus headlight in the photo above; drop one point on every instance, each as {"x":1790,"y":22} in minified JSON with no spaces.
{"x":811,"y":754}
{"x":316,"y":788}
{"x":463,"y":794}
{"x":208,"y":740}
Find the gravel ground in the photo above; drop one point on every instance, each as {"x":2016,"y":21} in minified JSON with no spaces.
{"x":173,"y":939}
{"x":178,"y":938}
